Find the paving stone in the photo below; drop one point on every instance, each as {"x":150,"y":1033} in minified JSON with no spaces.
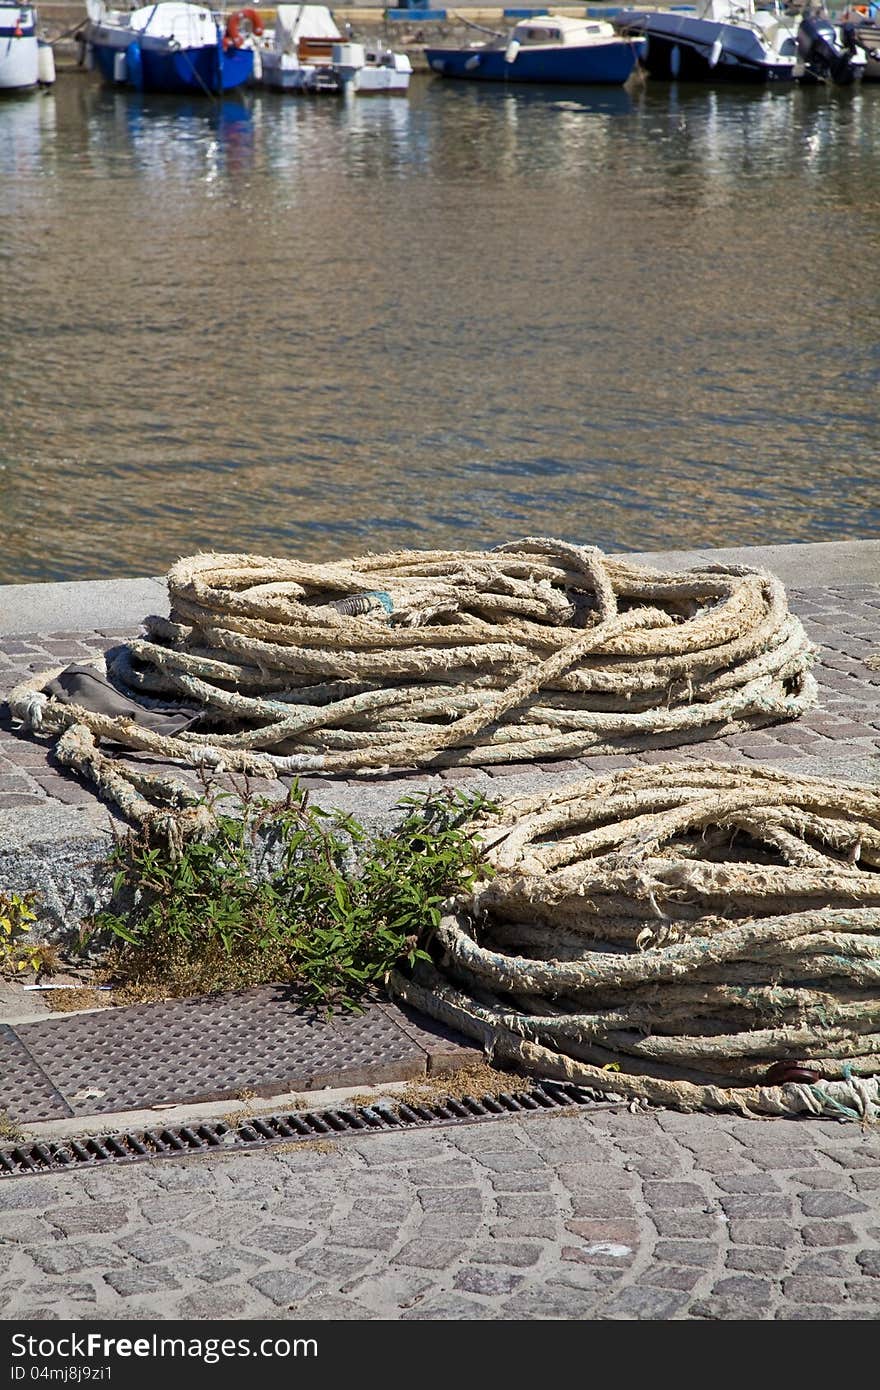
{"x":517,"y":1254}
{"x":609,"y":1232}
{"x":644,"y":1303}
{"x":487,"y":1281}
{"x":867,"y":1181}
{"x":829,"y":1204}
{"x":334,"y":1264}
{"x":151,"y":1246}
{"x":816,"y":1180}
{"x":602,"y":1206}
{"x":600,"y":1254}
{"x":429,"y":1254}
{"x":516,"y":1204}
{"x":655,"y":1168}
{"x":813,"y":1288}
{"x":756,"y":1259}
{"x":521,"y":1182}
{"x":454,"y":1226}
{"x":210,"y":1266}
{"x":281,"y":1240}
{"x":864,"y":1289}
{"x":59,"y":1258}
{"x":745,"y":1288}
{"x":535,"y":1227}
{"x":869,"y":1260}
{"x":26,"y":1230}
{"x":331,"y":1309}
{"x":775,"y":1233}
{"x":674,"y":1196}
{"x":828,"y":1233}
{"x":550,"y":1301}
{"x":672,"y":1277}
{"x":593,"y":1278}
{"x":759,"y":1184}
{"x":140,"y":1281}
{"x":816,"y":1313}
{"x":172,"y":1208}
{"x":517,"y":1161}
{"x":448,"y":1307}
{"x":453,"y":1172}
{"x":60,"y":1293}
{"x":686,"y":1252}
{"x":212,"y":1304}
{"x":362,"y":1235}
{"x":686,"y":1225}
{"x":826,"y":1262}
{"x":728,"y":1310}
{"x":466,"y":1199}
{"x":385,"y":1148}
{"x":90,"y":1217}
{"x":771,"y":1207}
{"x":283,"y":1286}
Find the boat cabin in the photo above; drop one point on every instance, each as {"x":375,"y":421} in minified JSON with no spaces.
{"x":558,"y":30}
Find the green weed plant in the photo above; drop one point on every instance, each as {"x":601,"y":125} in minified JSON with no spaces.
{"x":286,"y":891}
{"x":16,"y":916}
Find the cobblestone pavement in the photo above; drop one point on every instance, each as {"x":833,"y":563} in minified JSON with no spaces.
{"x":592,"y":1215}
{"x":596,"y":1215}
{"x":844,"y":621}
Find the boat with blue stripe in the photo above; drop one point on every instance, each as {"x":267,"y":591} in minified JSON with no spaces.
{"x":25,"y":59}
{"x":166,"y":47}
{"x":544,"y":48}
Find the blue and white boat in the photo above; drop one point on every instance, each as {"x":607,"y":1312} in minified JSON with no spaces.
{"x":545,"y":48}
{"x":742,"y":41}
{"x":25,"y":60}
{"x":166,"y":47}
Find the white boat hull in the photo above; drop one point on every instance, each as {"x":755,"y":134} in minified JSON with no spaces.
{"x":19,"y":62}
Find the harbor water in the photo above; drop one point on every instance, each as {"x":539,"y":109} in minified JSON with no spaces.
{"x":318,"y":326}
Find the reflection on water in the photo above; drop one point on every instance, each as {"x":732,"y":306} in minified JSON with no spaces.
{"x":642,"y":319}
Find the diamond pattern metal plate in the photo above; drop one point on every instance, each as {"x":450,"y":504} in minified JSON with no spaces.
{"x":26,"y":1093}
{"x":184,"y":1051}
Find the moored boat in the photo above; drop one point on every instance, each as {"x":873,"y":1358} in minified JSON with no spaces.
{"x":828,"y":53}
{"x":166,"y":47}
{"x":743,"y":41}
{"x":25,"y":59}
{"x":310,"y":54}
{"x":864,"y":22}
{"x":545,"y":48}
{"x":716,"y":41}
{"x":371,"y":69}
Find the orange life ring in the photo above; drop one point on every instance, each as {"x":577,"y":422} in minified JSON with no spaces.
{"x":233,"y":37}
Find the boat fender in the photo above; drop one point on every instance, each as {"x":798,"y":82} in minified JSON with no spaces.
{"x":675,"y":61}
{"x":715,"y":53}
{"x":45,"y":63}
{"x":471,"y":63}
{"x":233,"y":38}
{"x":134,"y":66}
{"x":511,"y":51}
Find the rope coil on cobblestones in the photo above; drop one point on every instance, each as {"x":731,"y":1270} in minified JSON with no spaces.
{"x":537,"y":649}
{"x":672,"y":932}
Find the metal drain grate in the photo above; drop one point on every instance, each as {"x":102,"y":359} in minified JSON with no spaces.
{"x":176,"y":1141}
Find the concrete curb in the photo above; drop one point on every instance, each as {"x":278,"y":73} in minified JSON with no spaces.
{"x":107,"y":604}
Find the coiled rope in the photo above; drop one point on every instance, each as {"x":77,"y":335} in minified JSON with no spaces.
{"x":670,"y":933}
{"x":538,"y":649}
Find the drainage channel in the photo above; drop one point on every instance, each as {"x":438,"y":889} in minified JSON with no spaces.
{"x":177,"y":1141}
